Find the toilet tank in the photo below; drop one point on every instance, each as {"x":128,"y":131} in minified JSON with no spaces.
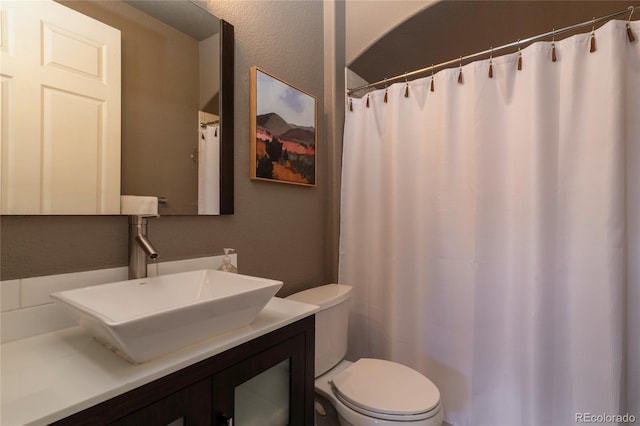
{"x":332,"y":322}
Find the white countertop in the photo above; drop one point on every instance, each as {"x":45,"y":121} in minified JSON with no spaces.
{"x":51,"y":376}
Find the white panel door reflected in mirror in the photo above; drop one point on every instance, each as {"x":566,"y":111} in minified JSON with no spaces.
{"x":60,"y":111}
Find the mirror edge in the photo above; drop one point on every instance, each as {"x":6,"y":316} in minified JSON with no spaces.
{"x":227,"y":71}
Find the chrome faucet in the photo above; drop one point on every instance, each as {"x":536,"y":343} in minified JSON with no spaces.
{"x":140,"y":248}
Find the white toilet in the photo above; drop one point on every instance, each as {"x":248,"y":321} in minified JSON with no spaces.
{"x":368,"y":391}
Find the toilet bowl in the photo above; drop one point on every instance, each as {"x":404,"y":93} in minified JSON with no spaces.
{"x":367,"y":391}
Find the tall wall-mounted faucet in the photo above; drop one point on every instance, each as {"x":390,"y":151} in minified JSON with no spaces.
{"x":140,"y":248}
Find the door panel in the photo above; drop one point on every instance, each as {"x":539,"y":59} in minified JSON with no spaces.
{"x":60,"y":111}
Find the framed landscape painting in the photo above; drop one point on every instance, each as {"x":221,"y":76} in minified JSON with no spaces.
{"x":283,"y":131}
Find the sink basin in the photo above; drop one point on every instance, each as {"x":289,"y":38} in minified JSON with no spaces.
{"x":145,"y":318}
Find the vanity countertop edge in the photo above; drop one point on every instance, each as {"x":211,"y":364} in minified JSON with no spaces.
{"x":50,"y":376}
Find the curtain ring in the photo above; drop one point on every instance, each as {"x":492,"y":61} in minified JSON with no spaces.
{"x":386,"y":92}
{"x":630,"y":34}
{"x":519,"y":57}
{"x":592,"y":47}
{"x":406,"y":87}
{"x":460,"y":73}
{"x":432,"y":84}
{"x":553,"y":47}
{"x":491,"y":64}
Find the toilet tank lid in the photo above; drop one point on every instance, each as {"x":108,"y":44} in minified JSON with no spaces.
{"x":323,"y":296}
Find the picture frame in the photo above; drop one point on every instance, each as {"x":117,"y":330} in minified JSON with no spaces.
{"x":284,"y":131}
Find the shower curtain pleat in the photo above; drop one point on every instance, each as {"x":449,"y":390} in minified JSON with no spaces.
{"x":491,"y":231}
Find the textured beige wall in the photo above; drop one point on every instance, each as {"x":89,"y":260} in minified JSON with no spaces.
{"x":448,"y":29}
{"x":278,"y":230}
{"x":369,"y":20}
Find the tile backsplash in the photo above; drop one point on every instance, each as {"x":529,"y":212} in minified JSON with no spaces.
{"x":27,"y":309}
{"x":9,"y":295}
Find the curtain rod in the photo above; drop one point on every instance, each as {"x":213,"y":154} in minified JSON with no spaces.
{"x":207,"y":123}
{"x":461,"y":59}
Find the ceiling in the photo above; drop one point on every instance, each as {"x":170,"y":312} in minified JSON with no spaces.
{"x":453,"y":28}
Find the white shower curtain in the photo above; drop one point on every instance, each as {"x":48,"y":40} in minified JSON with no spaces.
{"x":209,"y":171}
{"x":491,"y":231}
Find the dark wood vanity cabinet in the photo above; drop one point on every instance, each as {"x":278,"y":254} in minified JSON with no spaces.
{"x":206,"y":393}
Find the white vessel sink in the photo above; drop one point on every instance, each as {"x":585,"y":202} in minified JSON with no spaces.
{"x":145,"y":318}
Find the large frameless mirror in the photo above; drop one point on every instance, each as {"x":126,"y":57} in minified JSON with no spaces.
{"x":176,"y":107}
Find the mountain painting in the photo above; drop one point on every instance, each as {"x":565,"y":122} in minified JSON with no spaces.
{"x":283,"y":131}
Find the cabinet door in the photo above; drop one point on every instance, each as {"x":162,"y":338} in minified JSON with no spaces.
{"x":189,"y":406}
{"x":267,"y":389}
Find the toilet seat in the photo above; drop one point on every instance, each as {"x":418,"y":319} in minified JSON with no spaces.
{"x":386,"y":390}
